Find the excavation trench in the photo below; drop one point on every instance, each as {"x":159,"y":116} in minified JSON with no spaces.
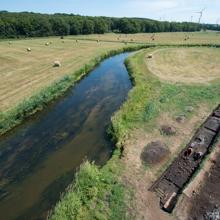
{"x":172,"y":182}
{"x":39,"y":158}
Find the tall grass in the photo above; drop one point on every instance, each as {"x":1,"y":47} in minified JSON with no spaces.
{"x":96,"y":194}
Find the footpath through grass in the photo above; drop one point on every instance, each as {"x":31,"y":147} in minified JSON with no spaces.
{"x":100,"y":193}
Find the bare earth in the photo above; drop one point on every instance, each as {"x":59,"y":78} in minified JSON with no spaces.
{"x":140,"y":178}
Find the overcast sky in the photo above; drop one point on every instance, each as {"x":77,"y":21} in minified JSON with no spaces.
{"x":170,"y":10}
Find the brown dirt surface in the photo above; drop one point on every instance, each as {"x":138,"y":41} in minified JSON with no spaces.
{"x":139,"y":177}
{"x":154,"y":153}
{"x":202,"y":196}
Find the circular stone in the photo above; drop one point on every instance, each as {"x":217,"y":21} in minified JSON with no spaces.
{"x":154,"y":153}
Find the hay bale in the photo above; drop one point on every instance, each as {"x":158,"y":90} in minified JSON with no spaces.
{"x":62,"y":37}
{"x":57,"y":63}
{"x":150,"y":56}
{"x":9,"y":43}
{"x":28,"y":49}
{"x":50,"y":42}
{"x":47,"y":44}
{"x":189,"y":109}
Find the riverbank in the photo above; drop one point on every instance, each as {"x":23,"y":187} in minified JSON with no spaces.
{"x":38,"y":101}
{"x":151,"y":104}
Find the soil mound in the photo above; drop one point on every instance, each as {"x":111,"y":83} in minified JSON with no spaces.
{"x":154,"y":153}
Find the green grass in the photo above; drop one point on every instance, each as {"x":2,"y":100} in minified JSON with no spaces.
{"x":150,"y":97}
{"x":96,"y":194}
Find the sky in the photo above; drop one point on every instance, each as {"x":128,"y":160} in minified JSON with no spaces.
{"x":169,"y":10}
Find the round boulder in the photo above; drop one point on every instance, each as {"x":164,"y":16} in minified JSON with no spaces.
{"x":154,"y":153}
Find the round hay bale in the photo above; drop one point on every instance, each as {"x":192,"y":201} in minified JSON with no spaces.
{"x":150,"y":56}
{"x":9,"y":43}
{"x":168,"y":130}
{"x":28,"y":49}
{"x":57,"y":63}
{"x":47,"y":44}
{"x":62,"y":37}
{"x":154,"y":153}
{"x":189,"y":109}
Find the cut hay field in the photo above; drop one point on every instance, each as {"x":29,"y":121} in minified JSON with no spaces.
{"x":160,"y":38}
{"x":23,"y":73}
{"x":186,"y":65}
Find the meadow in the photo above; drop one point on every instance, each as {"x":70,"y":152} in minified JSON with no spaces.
{"x":209,"y":37}
{"x":25,"y":73}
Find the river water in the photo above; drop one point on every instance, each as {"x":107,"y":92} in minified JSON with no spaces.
{"x":38,"y":159}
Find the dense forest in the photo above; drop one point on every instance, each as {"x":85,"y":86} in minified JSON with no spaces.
{"x":25,"y":24}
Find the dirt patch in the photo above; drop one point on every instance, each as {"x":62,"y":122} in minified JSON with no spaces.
{"x":140,"y":178}
{"x":201,"y":198}
{"x":168,"y":130}
{"x":154,"y":153}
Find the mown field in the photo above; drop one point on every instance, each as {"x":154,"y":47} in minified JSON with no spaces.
{"x":152,"y":102}
{"x":25,"y":73}
{"x":160,"y":38}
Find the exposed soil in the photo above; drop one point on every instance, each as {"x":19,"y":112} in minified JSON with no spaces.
{"x":202,"y":196}
{"x":168,"y":130}
{"x":140,"y":178}
{"x":154,"y":153}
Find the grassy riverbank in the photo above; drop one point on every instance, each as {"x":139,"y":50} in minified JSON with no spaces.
{"x":104,"y":193}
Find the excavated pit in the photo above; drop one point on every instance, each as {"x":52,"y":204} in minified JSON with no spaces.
{"x":172,"y":182}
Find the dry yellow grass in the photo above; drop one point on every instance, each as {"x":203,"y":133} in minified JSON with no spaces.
{"x":24,"y":73}
{"x":186,"y":65}
{"x":160,"y":38}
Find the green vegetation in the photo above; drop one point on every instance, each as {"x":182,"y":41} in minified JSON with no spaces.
{"x":148,"y":98}
{"x":14,"y":25}
{"x":39,"y":100}
{"x":96,"y":194}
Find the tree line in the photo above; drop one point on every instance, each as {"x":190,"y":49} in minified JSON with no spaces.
{"x":27,"y":24}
